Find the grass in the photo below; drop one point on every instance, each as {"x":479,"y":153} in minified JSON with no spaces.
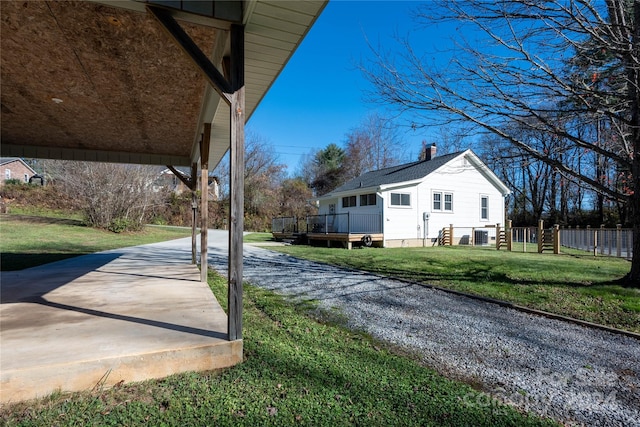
{"x":297,"y":371}
{"x":258,"y":238}
{"x":581,"y":287}
{"x":28,"y":241}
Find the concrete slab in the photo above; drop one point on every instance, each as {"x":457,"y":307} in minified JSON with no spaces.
{"x":124,"y":315}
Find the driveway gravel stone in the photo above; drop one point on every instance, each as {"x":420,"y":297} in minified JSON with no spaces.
{"x":574,"y":374}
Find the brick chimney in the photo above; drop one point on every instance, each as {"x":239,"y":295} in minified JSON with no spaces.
{"x":428,"y":153}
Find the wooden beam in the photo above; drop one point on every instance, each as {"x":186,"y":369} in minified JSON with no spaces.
{"x":185,"y":180}
{"x":204,"y":200}
{"x":215,"y":77}
{"x":236,"y":211}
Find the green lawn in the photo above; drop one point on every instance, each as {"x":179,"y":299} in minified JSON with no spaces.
{"x":297,"y":371}
{"x":27,"y":241}
{"x":258,"y":238}
{"x":582,"y":287}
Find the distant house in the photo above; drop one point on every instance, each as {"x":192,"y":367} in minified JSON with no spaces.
{"x":15,"y":168}
{"x":167,"y":179}
{"x":407,"y":204}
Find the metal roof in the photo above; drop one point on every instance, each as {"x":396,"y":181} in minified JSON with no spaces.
{"x":101,"y":81}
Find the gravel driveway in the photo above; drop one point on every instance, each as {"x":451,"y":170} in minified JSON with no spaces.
{"x":574,"y":374}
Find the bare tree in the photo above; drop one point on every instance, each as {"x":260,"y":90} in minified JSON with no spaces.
{"x":263,"y":176}
{"x":295,"y":195}
{"x":534,"y":64}
{"x":373,"y":145}
{"x":116,"y":197}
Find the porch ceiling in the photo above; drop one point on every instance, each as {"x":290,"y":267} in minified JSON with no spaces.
{"x":101,"y":81}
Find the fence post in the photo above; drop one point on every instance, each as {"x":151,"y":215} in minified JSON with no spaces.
{"x":326,"y":224}
{"x":556,"y":239}
{"x":595,"y":242}
{"x":619,"y":240}
{"x":450,"y":234}
{"x":540,"y":236}
{"x":349,"y":223}
{"x":498,"y":240}
{"x":525,"y":238}
{"x":473,"y":236}
{"x":588,"y":238}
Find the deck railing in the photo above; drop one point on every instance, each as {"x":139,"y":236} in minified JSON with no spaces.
{"x":286,"y":224}
{"x":350,"y":223}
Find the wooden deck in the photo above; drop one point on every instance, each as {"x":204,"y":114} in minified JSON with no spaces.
{"x":347,"y":239}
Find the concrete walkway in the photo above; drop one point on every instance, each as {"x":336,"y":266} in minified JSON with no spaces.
{"x":123,"y":315}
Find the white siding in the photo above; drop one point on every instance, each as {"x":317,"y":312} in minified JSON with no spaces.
{"x":467,"y":184}
{"x":401,"y":222}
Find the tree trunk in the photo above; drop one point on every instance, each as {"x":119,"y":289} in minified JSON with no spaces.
{"x":633,"y":278}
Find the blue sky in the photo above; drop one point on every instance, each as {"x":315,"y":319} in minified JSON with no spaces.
{"x":319,"y":97}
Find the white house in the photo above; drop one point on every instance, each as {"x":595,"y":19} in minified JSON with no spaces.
{"x":410,"y":204}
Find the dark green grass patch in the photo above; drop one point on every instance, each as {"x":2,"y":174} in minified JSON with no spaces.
{"x":583,"y":287}
{"x":297,"y":371}
{"x":258,"y":238}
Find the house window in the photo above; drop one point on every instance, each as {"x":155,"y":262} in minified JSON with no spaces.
{"x":484,"y":207}
{"x":448,"y":202}
{"x":443,"y":201}
{"x":400,"y":199}
{"x":348,"y":202}
{"x":368,"y":199}
{"x":7,"y":174}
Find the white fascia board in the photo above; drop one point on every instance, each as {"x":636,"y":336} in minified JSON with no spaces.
{"x":354,"y":192}
{"x":402,"y":184}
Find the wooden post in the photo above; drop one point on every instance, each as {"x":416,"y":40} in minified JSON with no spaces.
{"x":508,"y":232}
{"x":556,"y":239}
{"x":193,"y":186}
{"x":450,"y":234}
{"x":231,"y":89}
{"x":602,"y":238}
{"x":526,"y":239}
{"x":194,"y":221}
{"x":619,"y":240}
{"x":236,"y":211}
{"x":540,"y":236}
{"x":473,"y":235}
{"x":204,"y":201}
{"x":498,"y":238}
